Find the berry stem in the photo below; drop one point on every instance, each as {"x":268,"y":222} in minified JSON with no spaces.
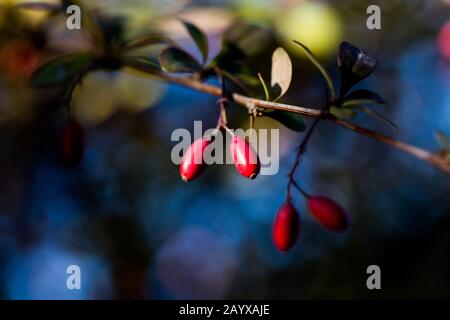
{"x":223,"y":121}
{"x":213,"y":133}
{"x":303,"y":192}
{"x":76,"y":80}
{"x":228,"y":130}
{"x":300,"y":151}
{"x":252,"y":121}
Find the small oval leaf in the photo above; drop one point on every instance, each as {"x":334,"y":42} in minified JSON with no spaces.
{"x":173,"y":59}
{"x":363,"y":94}
{"x":238,"y":80}
{"x":145,"y":41}
{"x":379,"y":117}
{"x":291,"y":120}
{"x":59,"y":70}
{"x":248,"y":79}
{"x":230,"y":58}
{"x":355,"y":61}
{"x":199,"y":38}
{"x":351,"y":103}
{"x":143,"y":64}
{"x":342,"y":113}
{"x":354,"y":64}
{"x":281,"y":75}
{"x":249,"y":38}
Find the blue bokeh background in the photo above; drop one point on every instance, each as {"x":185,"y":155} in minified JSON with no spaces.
{"x":138,"y":231}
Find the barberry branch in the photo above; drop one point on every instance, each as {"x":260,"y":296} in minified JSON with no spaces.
{"x":431,"y":158}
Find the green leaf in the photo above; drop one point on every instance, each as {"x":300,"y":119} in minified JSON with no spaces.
{"x":263,"y":83}
{"x":357,"y":102}
{"x":352,"y":60}
{"x":143,"y":64}
{"x":281,"y":74}
{"x":364,"y":95}
{"x":199,"y":38}
{"x":59,"y":70}
{"x":354,"y":65}
{"x":379,"y":117}
{"x":173,"y":59}
{"x":230,"y":58}
{"x":342,"y":113}
{"x":145,"y":41}
{"x":291,"y":120}
{"x":239,"y":82}
{"x":112,"y":28}
{"x":248,"y":79}
{"x":321,"y":68}
{"x":442,"y":140}
{"x":250,"y":39}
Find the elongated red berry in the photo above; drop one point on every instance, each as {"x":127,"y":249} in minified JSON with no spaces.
{"x":286,"y":227}
{"x":245,"y":157}
{"x":328,"y":213}
{"x":192,"y":163}
{"x":73,"y":143}
{"x":18,"y":59}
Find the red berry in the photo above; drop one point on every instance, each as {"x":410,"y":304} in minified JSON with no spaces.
{"x":444,"y":40}
{"x":73,"y":143}
{"x":192,"y":163}
{"x":286,"y":227}
{"x":328,"y":213}
{"x":18,"y":59}
{"x":245,"y":158}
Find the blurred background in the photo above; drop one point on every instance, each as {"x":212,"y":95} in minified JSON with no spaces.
{"x":138,"y":231}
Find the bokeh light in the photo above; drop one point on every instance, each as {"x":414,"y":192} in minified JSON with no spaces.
{"x":138,"y":231}
{"x":313,"y":23}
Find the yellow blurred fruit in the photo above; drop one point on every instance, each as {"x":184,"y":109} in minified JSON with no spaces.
{"x":315,"y":24}
{"x":32,"y":17}
{"x":138,"y":93}
{"x":102,"y":93}
{"x":93,"y":101}
{"x":257,"y":11}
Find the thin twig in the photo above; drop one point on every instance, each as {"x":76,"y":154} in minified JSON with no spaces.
{"x":303,"y":192}
{"x":238,"y":98}
{"x":300,"y":151}
{"x":223,"y":121}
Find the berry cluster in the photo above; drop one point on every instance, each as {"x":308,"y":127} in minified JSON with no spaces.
{"x":286,"y":227}
{"x":244,"y":156}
